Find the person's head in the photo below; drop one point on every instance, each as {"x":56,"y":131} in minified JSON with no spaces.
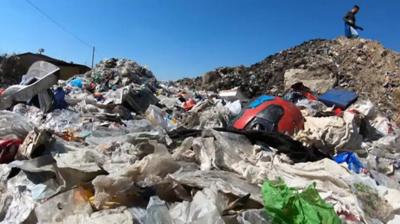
{"x":355,"y":9}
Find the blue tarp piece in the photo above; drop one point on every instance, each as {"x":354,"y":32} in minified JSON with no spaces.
{"x":351,"y":159}
{"x":76,"y":83}
{"x":260,"y":100}
{"x":339,"y":98}
{"x":59,"y":99}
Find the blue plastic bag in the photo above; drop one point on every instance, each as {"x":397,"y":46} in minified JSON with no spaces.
{"x":351,"y":159}
{"x":76,"y":83}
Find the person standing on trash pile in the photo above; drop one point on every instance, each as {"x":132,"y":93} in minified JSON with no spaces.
{"x":350,"y":23}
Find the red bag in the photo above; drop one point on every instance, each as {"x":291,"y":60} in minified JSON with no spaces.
{"x":8,"y":149}
{"x":189,"y":104}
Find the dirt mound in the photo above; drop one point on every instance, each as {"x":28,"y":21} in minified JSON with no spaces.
{"x":11,"y":70}
{"x":362,"y":65}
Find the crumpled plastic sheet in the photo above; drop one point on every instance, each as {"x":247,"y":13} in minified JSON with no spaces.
{"x":328,"y":176}
{"x":211,"y":153}
{"x":206,"y":207}
{"x":334,"y":182}
{"x":118,"y":215}
{"x":157,"y":117}
{"x":31,"y":113}
{"x":234,"y":107}
{"x":310,"y":107}
{"x":388,"y":131}
{"x":58,"y":208}
{"x":42,"y":170}
{"x":392,"y":196}
{"x":134,"y":132}
{"x":119,"y":156}
{"x":153,"y":168}
{"x":17,"y":204}
{"x":253,"y":216}
{"x":80,"y":166}
{"x":389,"y":143}
{"x":211,"y":150}
{"x":226,"y":182}
{"x":138,"y":214}
{"x":157,"y":212}
{"x":114,"y":191}
{"x":13,"y":124}
{"x":365,"y":107}
{"x":395,"y":220}
{"x":62,"y":120}
{"x":169,"y":102}
{"x":328,"y":133}
{"x":211,"y":117}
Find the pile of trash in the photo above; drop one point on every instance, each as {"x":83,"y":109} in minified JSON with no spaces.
{"x":114,"y":73}
{"x":117,"y":146}
{"x":362,"y":65}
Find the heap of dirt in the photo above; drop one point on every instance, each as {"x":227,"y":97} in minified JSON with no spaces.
{"x":358,"y":64}
{"x":11,"y":70}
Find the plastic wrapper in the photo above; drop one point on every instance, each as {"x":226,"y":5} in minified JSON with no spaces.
{"x":226,"y":182}
{"x":206,"y":207}
{"x":62,"y":120}
{"x":157,"y":117}
{"x":13,"y":124}
{"x":111,"y":192}
{"x":58,"y":208}
{"x":234,"y":107}
{"x":157,"y":212}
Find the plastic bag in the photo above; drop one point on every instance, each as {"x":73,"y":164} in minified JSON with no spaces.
{"x":157,"y":212}
{"x":62,"y":120}
{"x":8,"y":149}
{"x":234,"y":107}
{"x":13,"y":124}
{"x":286,"y":205}
{"x":352,"y":161}
{"x":157,"y":117}
{"x":205,"y":207}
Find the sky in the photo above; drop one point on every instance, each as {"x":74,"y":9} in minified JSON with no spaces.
{"x":185,"y":38}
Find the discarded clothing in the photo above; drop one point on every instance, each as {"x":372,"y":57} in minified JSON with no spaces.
{"x":59,"y":99}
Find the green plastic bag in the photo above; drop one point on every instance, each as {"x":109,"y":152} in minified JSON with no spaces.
{"x":286,"y":205}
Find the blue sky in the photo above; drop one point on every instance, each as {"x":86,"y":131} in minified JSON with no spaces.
{"x":178,"y":38}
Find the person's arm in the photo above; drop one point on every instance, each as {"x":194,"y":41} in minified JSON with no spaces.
{"x":358,"y":28}
{"x":348,"y":18}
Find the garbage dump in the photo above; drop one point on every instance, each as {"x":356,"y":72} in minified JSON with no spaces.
{"x":355,"y":64}
{"x":115,"y":145}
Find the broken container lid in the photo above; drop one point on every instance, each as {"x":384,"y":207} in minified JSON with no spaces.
{"x":270,"y":114}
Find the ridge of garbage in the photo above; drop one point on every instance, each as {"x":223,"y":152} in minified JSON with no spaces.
{"x":294,"y":138}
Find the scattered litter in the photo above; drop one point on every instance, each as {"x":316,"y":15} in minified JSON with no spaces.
{"x":115,"y":145}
